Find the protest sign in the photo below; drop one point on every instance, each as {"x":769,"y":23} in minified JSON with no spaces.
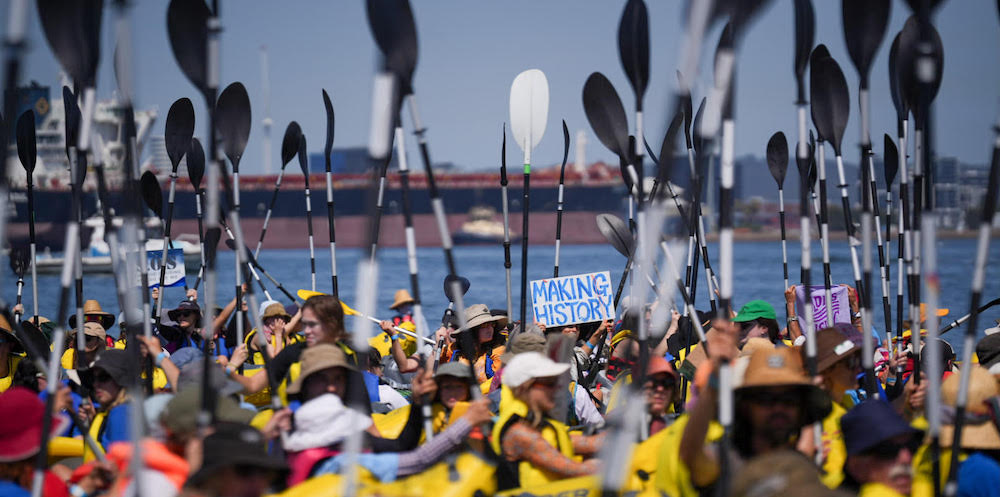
{"x":839,"y":301}
{"x":175,"y":268}
{"x":580,"y":298}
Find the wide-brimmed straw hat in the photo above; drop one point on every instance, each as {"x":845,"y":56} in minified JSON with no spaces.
{"x":782,"y":367}
{"x":402,"y":297}
{"x":477,"y":315}
{"x":317,"y":358}
{"x":92,"y":308}
{"x":272,"y":308}
{"x":979,"y":431}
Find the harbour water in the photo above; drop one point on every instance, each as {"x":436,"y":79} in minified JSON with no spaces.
{"x":758,"y":276}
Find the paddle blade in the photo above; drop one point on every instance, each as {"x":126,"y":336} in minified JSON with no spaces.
{"x":830,"y":99}
{"x":503,"y":157}
{"x":890,"y":158}
{"x":195,"y":163}
{"x":562,"y":169}
{"x":449,"y":284}
{"x":328,"y":105}
{"x":71,"y":120}
{"x":686,"y":108}
{"x":187,"y":27}
{"x":909,"y":64}
{"x":232,"y":115}
{"x":633,"y":47}
{"x":151,"y":193}
{"x":895,"y":81}
{"x":395,"y":32}
{"x":290,"y":143}
{"x":805,"y":35}
{"x":20,"y":259}
{"x":605,"y":114}
{"x":529,"y":108}
{"x":73,"y":30}
{"x":303,"y":157}
{"x":865,"y":22}
{"x":212,"y":236}
{"x":777,"y":157}
{"x":179,"y":130}
{"x":616,"y":232}
{"x":699,"y":140}
{"x":26,"y":146}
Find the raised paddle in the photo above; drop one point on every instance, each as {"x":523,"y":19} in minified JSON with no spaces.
{"x":152,"y":195}
{"x":777,"y":164}
{"x":633,"y":52}
{"x":248,"y":265}
{"x":27,"y":152}
{"x":196,"y":171}
{"x":327,"y":150}
{"x":816,"y":87}
{"x":304,"y":165}
{"x":20,"y":259}
{"x":559,"y":205}
{"x":506,"y":218}
{"x":904,"y":260}
{"x":289,"y":148}
{"x":529,"y":110}
{"x":177,"y":136}
{"x":891,"y":158}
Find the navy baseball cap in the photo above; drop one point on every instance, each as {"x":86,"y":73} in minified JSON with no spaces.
{"x":870,"y":423}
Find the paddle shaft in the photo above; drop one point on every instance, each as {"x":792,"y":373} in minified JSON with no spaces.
{"x":525,"y":209}
{"x":904,"y":251}
{"x":201,"y":235}
{"x":870,"y":215}
{"x":559,"y":216}
{"x":411,"y":241}
{"x":17,"y":23}
{"x":309,"y":225}
{"x":33,"y":248}
{"x":270,"y":208}
{"x":331,"y":228}
{"x":506,"y":233}
{"x":824,"y":235}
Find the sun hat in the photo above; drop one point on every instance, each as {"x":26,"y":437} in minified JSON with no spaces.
{"x":778,"y":473}
{"x":45,"y":327}
{"x":272,"y":308}
{"x":235,"y":444}
{"x":317,"y":358}
{"x":324,"y":421}
{"x":117,"y":363}
{"x":659,"y":365}
{"x":529,"y":366}
{"x":400,"y":298}
{"x":871,"y":423}
{"x":477,"y":315}
{"x":979,"y":431}
{"x":782,"y":367}
{"x":753,"y":310}
{"x":756,"y":344}
{"x":185,"y":306}
{"x":521,"y":343}
{"x":988,"y":351}
{"x":93,"y":308}
{"x":21,"y":413}
{"x":90,"y":329}
{"x":8,"y":335}
{"x":454,"y":369}
{"x":831,"y":347}
{"x":180,"y":415}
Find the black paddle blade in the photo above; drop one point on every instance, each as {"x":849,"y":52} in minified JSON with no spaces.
{"x":687,"y":108}
{"x":895,"y":82}
{"x":187,"y":27}
{"x":179,"y":130}
{"x":890,"y":159}
{"x":915,"y":5}
{"x":152,"y":195}
{"x":328,"y":105}
{"x":212,"y":236}
{"x":616,"y":232}
{"x":830,"y":98}
{"x":805,"y":35}
{"x":290,"y":143}
{"x":449,"y":283}
{"x":26,"y":146}
{"x":562,"y":169}
{"x":909,"y":54}
{"x":395,"y":33}
{"x":20,"y":259}
{"x":865,"y":22}
{"x":699,"y":140}
{"x":633,"y":47}
{"x":777,"y":157}
{"x":232,"y":115}
{"x":605,"y":114}
{"x":503,"y":157}
{"x":71,"y":120}
{"x":303,"y":157}
{"x":667,"y":145}
{"x":195,"y":163}
{"x":73,"y":30}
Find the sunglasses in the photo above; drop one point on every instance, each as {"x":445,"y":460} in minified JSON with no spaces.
{"x":773,"y":399}
{"x":664,"y":383}
{"x":91,"y":318}
{"x":890,"y":449}
{"x":185,"y":313}
{"x":102,"y":377}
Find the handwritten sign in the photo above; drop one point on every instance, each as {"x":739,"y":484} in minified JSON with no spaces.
{"x":175,"y":268}
{"x":580,"y":298}
{"x":839,"y":302}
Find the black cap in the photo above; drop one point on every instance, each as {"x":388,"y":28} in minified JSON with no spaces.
{"x":118,"y":364}
{"x":235,"y":444}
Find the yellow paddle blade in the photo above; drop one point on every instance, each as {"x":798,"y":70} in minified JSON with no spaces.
{"x":348,"y":310}
{"x":305,"y":294}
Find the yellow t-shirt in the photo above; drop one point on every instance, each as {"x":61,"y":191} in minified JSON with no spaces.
{"x":833,"y":464}
{"x":12,"y":362}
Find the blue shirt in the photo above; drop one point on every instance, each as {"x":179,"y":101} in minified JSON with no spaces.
{"x":979,"y":476}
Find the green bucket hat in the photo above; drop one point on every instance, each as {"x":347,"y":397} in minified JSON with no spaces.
{"x":753,"y":310}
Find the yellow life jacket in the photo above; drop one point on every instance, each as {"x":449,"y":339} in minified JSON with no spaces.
{"x":391,"y":424}
{"x":832,"y":474}
{"x":580,"y":486}
{"x":256,"y":357}
{"x":552,"y":431}
{"x":645,"y":459}
{"x":923,"y":469}
{"x":12,"y":362}
{"x":95,"y":432}
{"x":383,"y":342}
{"x":672,"y":476}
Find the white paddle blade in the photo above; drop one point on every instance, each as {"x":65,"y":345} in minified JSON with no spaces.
{"x":529,"y":109}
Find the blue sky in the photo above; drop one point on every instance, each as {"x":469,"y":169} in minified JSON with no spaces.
{"x":470,"y":52}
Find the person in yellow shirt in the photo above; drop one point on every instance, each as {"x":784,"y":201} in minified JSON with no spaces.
{"x":880,"y":447}
{"x":95,"y":341}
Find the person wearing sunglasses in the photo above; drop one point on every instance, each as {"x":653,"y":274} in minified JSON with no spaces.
{"x":838,"y":363}
{"x":108,"y":379}
{"x":660,"y":391}
{"x":880,"y":449}
{"x":95,"y":341}
{"x":535,"y":449}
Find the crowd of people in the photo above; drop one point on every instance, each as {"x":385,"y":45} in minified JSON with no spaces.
{"x":491,"y":407}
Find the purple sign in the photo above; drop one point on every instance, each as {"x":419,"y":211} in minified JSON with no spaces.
{"x":839,"y":303}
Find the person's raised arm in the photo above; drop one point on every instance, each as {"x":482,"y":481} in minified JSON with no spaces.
{"x":406,"y":364}
{"x":291,"y":327}
{"x":251,"y":384}
{"x":661,"y":348}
